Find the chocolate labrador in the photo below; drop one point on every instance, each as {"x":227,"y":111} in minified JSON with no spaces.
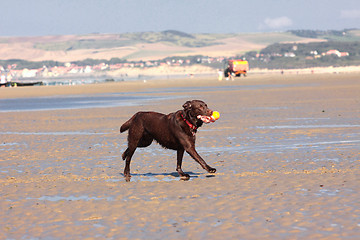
{"x":173,"y":131}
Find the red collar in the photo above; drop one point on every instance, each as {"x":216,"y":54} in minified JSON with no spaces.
{"x":189,"y":123}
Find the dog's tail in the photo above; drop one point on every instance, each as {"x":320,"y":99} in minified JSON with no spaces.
{"x":126,"y":125}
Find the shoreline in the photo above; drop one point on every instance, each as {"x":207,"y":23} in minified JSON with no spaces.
{"x":138,"y":85}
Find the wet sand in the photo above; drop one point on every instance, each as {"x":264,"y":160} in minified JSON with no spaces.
{"x":286,"y":150}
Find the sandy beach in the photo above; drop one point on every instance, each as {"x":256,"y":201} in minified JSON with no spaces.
{"x":286,"y":150}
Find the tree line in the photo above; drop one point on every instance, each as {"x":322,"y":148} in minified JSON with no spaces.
{"x":301,"y":55}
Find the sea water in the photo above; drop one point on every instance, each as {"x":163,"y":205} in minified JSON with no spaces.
{"x":76,"y":102}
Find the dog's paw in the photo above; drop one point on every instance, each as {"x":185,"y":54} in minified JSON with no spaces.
{"x":127,"y":178}
{"x":211,"y":170}
{"x":185,"y":177}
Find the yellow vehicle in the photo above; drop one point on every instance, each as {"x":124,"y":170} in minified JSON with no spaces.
{"x":236,"y":68}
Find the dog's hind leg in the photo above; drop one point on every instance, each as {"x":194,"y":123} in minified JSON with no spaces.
{"x":129,"y":155}
{"x":146,"y":140}
{"x":134,"y":138}
{"x":124,"y":155}
{"x":180,"y":154}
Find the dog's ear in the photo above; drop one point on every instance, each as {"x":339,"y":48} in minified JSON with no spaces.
{"x":187,"y":105}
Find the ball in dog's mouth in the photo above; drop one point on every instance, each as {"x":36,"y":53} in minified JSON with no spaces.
{"x":215,"y":116}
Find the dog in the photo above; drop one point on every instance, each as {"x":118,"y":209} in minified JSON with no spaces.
{"x":176,"y":131}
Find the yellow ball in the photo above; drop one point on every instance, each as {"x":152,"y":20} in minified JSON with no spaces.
{"x":215,"y":115}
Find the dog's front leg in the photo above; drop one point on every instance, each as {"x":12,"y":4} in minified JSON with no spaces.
{"x":180,"y":154}
{"x":193,"y":153}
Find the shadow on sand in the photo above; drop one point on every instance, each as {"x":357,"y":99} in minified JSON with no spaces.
{"x":173,"y":176}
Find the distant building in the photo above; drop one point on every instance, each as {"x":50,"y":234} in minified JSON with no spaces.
{"x":28,"y":73}
{"x":289,"y":54}
{"x":333,"y":52}
{"x":337,"y":53}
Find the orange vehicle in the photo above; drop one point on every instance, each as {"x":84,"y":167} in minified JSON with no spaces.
{"x":236,"y":68}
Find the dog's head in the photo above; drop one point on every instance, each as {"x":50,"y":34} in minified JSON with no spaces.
{"x":197,"y":112}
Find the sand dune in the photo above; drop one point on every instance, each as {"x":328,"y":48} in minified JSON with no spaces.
{"x":24,"y":47}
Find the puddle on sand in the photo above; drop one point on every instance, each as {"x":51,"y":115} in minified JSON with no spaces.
{"x":52,"y":133}
{"x":308,"y":126}
{"x":327,"y":192}
{"x":137,"y":178}
{"x":281,"y":147}
{"x":70,"y":198}
{"x":77,"y":102}
{"x":161,"y":177}
{"x":9,"y":146}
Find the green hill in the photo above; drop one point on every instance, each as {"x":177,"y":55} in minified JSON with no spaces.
{"x":148,"y":46}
